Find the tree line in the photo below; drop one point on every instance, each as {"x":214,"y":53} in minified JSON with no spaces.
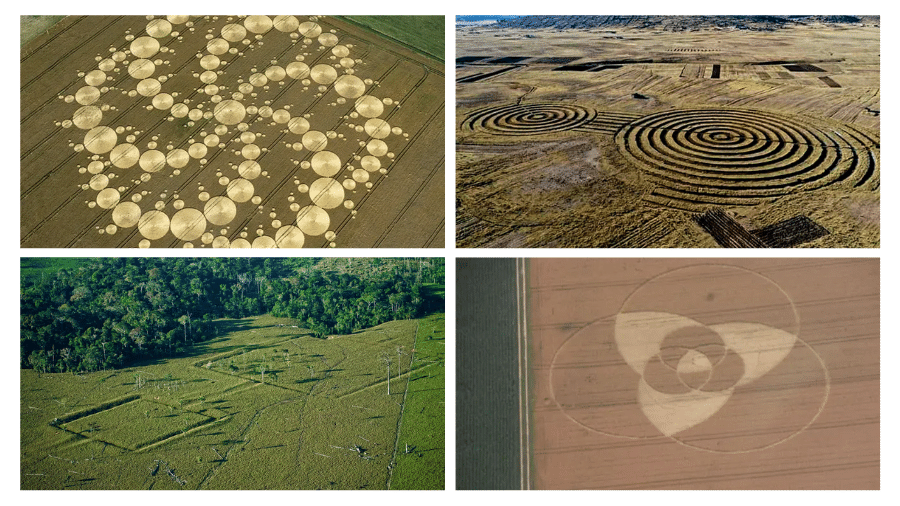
{"x":111,"y":312}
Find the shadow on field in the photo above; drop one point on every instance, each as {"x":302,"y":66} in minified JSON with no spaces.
{"x":225,"y":327}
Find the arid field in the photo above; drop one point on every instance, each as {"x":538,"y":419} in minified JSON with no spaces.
{"x":623,"y":132}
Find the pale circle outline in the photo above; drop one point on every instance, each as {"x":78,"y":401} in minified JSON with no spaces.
{"x":790,"y":301}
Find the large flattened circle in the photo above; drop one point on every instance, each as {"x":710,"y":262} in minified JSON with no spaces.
{"x":101,"y":139}
{"x":313,"y":220}
{"x":326,"y":163}
{"x":326,"y":193}
{"x":731,"y":301}
{"x":188,"y":224}
{"x":154,"y":225}
{"x":229,"y":112}
{"x":220,"y":210}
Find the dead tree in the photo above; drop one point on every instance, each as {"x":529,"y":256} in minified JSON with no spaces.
{"x":387,"y":361}
{"x":399,"y":352}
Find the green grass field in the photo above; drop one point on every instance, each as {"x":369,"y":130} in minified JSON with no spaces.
{"x":263,"y":406}
{"x":33,"y":268}
{"x":424,"y":34}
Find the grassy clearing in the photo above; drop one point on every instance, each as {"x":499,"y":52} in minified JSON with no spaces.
{"x":136,"y":424}
{"x":424,"y":34}
{"x":264,"y":406}
{"x":33,"y":268}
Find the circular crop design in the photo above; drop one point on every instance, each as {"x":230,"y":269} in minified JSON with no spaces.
{"x":709,"y":356}
{"x":721,"y":156}
{"x":221,"y":125}
{"x":529,"y":119}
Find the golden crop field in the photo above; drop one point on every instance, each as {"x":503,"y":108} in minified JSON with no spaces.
{"x":600,"y":131}
{"x":229,"y":131}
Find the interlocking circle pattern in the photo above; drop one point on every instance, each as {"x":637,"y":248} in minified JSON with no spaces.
{"x":709,"y":356}
{"x":716,"y":156}
{"x":529,"y":119}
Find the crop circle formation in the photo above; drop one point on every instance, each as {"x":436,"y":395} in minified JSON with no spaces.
{"x":724,"y":155}
{"x":529,"y":119}
{"x":231,"y":116}
{"x":708,"y":356}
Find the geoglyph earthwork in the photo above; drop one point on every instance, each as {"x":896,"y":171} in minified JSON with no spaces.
{"x":229,"y":131}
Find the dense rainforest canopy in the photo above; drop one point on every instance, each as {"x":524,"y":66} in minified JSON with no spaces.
{"x":99,"y":313}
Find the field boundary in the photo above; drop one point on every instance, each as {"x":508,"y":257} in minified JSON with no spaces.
{"x":402,"y":408}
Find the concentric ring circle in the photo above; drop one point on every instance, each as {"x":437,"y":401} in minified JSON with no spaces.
{"x":529,"y":119}
{"x":722,"y":156}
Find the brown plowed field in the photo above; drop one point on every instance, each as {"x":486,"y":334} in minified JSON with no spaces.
{"x":704,"y":373}
{"x":229,"y":131}
{"x":580,"y":137}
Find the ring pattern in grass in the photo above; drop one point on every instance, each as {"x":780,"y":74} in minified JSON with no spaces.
{"x":724,"y":156}
{"x":529,"y":119}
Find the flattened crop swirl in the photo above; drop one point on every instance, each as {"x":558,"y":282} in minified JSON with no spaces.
{"x":529,"y":119}
{"x":722,"y":156}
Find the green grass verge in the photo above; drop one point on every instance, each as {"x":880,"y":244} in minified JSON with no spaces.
{"x":423,"y":34}
{"x":419,"y":461}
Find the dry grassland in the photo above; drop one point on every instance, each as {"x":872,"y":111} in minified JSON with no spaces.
{"x":620,"y":136}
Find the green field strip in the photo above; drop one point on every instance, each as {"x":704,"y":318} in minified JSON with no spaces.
{"x":397,"y":29}
{"x":421,"y":466}
{"x":402,"y":407}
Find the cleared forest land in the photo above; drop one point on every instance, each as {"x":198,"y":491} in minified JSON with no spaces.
{"x":650,"y":131}
{"x":231,"y":132}
{"x":264,"y":406}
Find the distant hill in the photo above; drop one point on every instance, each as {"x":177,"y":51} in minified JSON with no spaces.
{"x":680,"y":23}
